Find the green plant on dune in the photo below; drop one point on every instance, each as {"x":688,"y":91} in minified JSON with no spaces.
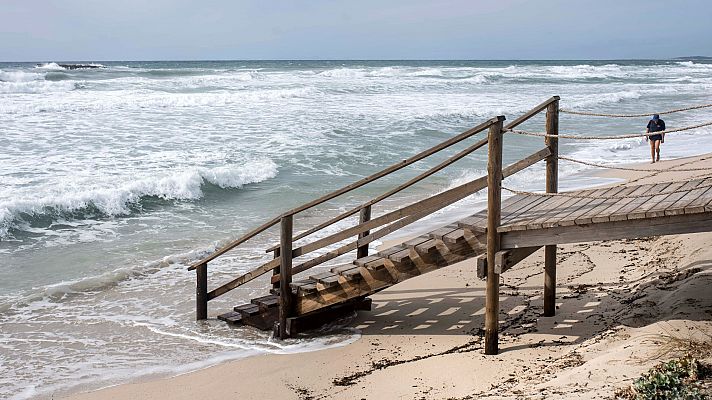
{"x":673,"y":380}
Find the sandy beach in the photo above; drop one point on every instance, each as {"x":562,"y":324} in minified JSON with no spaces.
{"x":623,"y":306}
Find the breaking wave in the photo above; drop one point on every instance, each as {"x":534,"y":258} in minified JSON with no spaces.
{"x":129,"y":197}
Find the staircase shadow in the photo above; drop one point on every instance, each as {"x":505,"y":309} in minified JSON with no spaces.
{"x":583,"y":311}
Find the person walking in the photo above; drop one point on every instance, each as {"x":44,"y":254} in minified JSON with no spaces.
{"x":655,"y":125}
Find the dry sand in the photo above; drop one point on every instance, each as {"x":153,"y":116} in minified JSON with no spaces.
{"x":619,"y":303}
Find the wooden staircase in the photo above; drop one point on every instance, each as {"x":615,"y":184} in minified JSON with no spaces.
{"x":344,"y":287}
{"x":293,"y":306}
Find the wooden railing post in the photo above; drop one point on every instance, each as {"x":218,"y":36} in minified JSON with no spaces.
{"x":552,"y":186}
{"x":201,"y":292}
{"x":494,"y":209}
{"x":275,"y":270}
{"x":285,"y":275}
{"x":364,"y":216}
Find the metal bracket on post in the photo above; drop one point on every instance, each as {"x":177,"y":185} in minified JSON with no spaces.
{"x":552,"y":186}
{"x":494,"y":209}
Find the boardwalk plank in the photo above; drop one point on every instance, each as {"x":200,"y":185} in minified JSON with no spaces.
{"x":659,"y":210}
{"x":642,"y":196}
{"x":562,"y":206}
{"x":595,"y":207}
{"x":599,"y":213}
{"x":679,"y":206}
{"x":573,"y":208}
{"x":605,"y":215}
{"x":510,"y":219}
{"x":521,"y":222}
{"x":655,"y":200}
{"x":698,"y":205}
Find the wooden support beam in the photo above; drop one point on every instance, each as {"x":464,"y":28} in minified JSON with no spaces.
{"x":628,"y":229}
{"x":494,"y":208}
{"x":201,"y":292}
{"x":504,"y":260}
{"x":364,"y":216}
{"x":285,"y":275}
{"x":552,"y":186}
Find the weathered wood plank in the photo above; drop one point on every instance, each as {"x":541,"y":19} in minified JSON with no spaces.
{"x":654,"y":201}
{"x":595,"y":208}
{"x":698,"y":205}
{"x":561,"y":206}
{"x":626,"y":229}
{"x":618,"y":204}
{"x":582,"y":207}
{"x":659,"y":210}
{"x":609,"y":205}
{"x":622,"y":213}
{"x":232,"y":317}
{"x":512,"y":216}
{"x":679,"y":206}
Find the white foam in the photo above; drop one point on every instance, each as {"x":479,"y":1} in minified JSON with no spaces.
{"x":52,"y":66}
{"x":116,"y":199}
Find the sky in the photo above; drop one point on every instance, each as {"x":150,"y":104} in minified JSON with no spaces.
{"x":96,"y":30}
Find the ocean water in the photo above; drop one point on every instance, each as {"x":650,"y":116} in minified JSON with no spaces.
{"x":113,"y":179}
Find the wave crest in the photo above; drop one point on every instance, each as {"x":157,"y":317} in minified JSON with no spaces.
{"x":127,"y":197}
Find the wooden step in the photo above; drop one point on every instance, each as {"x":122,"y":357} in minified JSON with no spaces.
{"x":401,"y":257}
{"x":304,"y":287}
{"x":349,"y":272}
{"x":455,"y":238}
{"x":232,"y":317}
{"x":265,"y":302}
{"x":476,"y":223}
{"x":428,"y":248}
{"x":363,"y":260}
{"x":353,"y":274}
{"x":327,"y":278}
{"x":391,"y":250}
{"x":440,"y":232}
{"x":247,"y":310}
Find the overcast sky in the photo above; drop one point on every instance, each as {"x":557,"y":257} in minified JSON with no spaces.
{"x":95,"y":30}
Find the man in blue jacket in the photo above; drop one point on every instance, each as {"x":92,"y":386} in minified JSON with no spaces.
{"x":656,"y":125}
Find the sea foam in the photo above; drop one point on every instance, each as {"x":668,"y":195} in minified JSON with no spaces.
{"x":125,"y":198}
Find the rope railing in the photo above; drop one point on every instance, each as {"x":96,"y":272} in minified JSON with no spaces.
{"x":602,"y":197}
{"x":608,"y":137}
{"x":593,"y":114}
{"x":596,"y":165}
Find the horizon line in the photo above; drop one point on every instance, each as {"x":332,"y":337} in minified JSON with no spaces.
{"x":369,"y":59}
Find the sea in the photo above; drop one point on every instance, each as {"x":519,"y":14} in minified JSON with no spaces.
{"x":114,"y":179}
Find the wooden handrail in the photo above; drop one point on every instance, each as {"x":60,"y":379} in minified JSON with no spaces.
{"x":531,"y":113}
{"x":389,"y":193}
{"x":430,"y":204}
{"x":521,"y":119}
{"x":237,"y":242}
{"x":395,"y":219}
{"x":395,"y":167}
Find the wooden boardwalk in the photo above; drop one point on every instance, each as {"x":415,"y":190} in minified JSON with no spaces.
{"x":499,"y":237}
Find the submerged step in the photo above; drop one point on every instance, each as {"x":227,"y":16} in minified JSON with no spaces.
{"x":232,"y":317}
